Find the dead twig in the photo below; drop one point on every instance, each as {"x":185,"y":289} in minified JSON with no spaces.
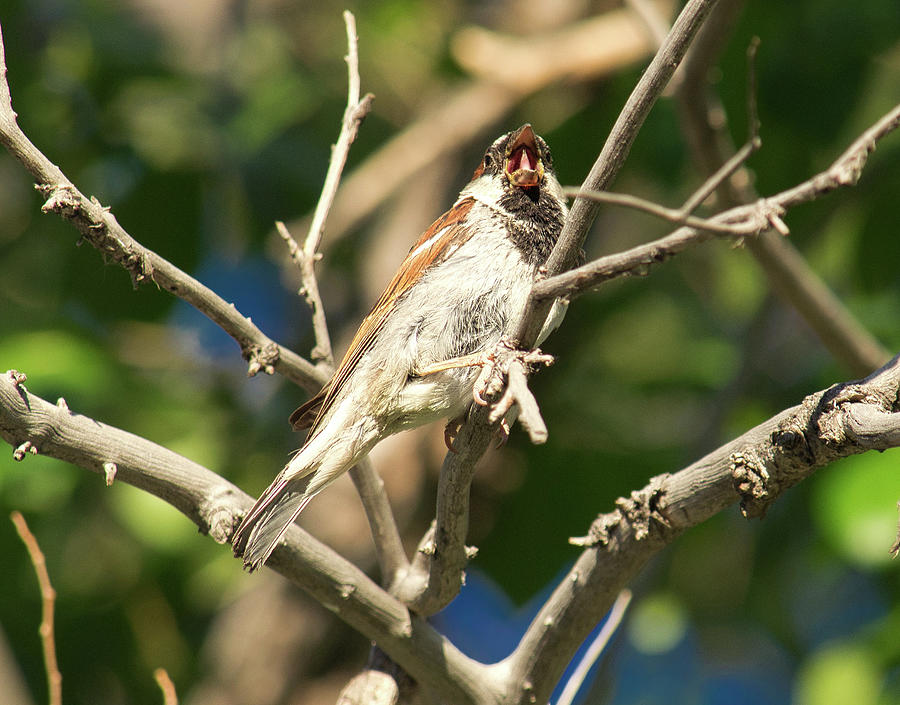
{"x":48,"y":599}
{"x":170,"y":697}
{"x":386,"y":536}
{"x":306,"y":257}
{"x":595,"y":650}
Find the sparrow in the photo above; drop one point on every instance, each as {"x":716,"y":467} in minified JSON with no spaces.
{"x":416,"y":357}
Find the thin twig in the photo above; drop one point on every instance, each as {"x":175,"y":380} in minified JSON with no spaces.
{"x":385,"y":534}
{"x":705,"y":126}
{"x":741,"y":221}
{"x":353,"y":116}
{"x":48,"y":598}
{"x":682,"y":215}
{"x":613,"y":155}
{"x":356,"y":111}
{"x":595,"y":650}
{"x":170,"y":697}
{"x":389,"y":550}
{"x":595,"y":47}
{"x":321,"y":352}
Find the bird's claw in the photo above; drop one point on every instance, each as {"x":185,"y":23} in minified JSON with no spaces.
{"x":498,"y":360}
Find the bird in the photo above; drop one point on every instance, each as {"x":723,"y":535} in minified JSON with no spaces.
{"x":416,"y":356}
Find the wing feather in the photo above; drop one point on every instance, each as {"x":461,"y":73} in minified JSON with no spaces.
{"x":435,"y":244}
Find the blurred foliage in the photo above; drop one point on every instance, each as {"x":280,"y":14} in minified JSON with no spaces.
{"x":202,"y":123}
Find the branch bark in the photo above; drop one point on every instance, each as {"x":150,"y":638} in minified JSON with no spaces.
{"x":754,"y":469}
{"x":214,"y":504}
{"x":99,"y":227}
{"x":705,"y":125}
{"x":742,"y":221}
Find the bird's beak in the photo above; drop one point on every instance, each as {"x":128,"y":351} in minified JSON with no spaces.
{"x":523,"y":166}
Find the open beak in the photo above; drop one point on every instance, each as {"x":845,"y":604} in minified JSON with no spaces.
{"x":524,"y":167}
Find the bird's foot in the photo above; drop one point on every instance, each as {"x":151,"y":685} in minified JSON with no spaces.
{"x":495,"y":368}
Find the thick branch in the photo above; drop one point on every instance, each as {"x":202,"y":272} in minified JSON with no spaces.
{"x":754,"y":469}
{"x":99,"y":227}
{"x":215,"y":504}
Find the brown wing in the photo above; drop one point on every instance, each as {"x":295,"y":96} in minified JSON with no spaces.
{"x":305,"y":415}
{"x":435,"y":244}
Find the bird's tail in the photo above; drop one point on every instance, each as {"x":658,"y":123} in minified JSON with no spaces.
{"x":321,"y":460}
{"x":270,"y":518}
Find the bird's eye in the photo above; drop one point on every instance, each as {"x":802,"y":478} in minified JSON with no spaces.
{"x":488,"y":160}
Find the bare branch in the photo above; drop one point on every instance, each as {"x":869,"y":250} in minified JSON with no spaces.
{"x":382,"y":682}
{"x":322,"y":352}
{"x":615,"y":151}
{"x":518,"y":393}
{"x":755,"y":469}
{"x":682,"y":215}
{"x":306,"y":257}
{"x":742,"y":221}
{"x":48,"y":600}
{"x":215,"y":505}
{"x":353,"y":116}
{"x":388,"y":545}
{"x":705,"y":126}
{"x":436,"y":573}
{"x":386,"y":536}
{"x":99,"y":227}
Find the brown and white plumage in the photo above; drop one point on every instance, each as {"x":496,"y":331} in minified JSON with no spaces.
{"x":457,"y":292}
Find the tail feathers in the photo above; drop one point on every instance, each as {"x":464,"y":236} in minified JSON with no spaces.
{"x":271,"y":516}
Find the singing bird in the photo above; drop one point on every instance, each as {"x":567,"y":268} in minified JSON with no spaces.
{"x":416,"y":356}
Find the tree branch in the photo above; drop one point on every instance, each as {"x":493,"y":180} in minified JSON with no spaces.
{"x":214,"y":504}
{"x":755,"y":469}
{"x":705,"y":125}
{"x":99,"y":227}
{"x":612,"y":156}
{"x":306,"y":257}
{"x":595,"y":47}
{"x":48,"y":600}
{"x":742,"y":221}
